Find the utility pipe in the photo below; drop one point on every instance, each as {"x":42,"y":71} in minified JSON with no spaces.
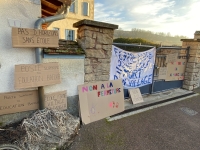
{"x":38,"y":50}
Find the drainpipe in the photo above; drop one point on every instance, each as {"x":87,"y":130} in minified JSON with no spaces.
{"x":39,"y":52}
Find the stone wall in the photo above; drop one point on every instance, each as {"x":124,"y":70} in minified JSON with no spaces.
{"x":197,"y":35}
{"x":96,"y":39}
{"x":192,"y":73}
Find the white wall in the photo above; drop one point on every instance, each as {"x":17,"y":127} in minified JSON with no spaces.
{"x":72,"y":75}
{"x":26,"y":13}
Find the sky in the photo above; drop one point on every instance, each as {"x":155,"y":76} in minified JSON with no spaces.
{"x":178,"y":17}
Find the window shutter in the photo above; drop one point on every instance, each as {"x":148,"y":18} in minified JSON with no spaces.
{"x":88,"y":8}
{"x":76,"y":6}
{"x":85,"y":8}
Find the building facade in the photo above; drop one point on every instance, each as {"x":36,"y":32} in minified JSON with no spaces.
{"x":79,"y":10}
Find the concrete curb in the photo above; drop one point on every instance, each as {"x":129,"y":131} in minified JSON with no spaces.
{"x":148,"y":108}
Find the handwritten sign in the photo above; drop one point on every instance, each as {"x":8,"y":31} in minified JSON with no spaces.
{"x":57,"y":100}
{"x":18,"y":101}
{"x":135,"y":95}
{"x":162,"y":73}
{"x":135,"y":69}
{"x":176,"y":70}
{"x":36,"y":75}
{"x":24,"y":37}
{"x":172,"y":57}
{"x":100,"y":99}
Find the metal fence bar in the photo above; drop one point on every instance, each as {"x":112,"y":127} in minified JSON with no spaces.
{"x":131,"y":45}
{"x":156,"y":66}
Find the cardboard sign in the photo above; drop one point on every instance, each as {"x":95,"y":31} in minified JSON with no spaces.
{"x":135,"y":95}
{"x":36,"y":75}
{"x":57,"y":100}
{"x":99,"y":100}
{"x":176,"y":70}
{"x":162,"y":73}
{"x":171,"y":58}
{"x":18,"y":101}
{"x":24,"y":37}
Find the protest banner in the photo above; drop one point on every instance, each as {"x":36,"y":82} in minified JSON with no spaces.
{"x":135,"y":69}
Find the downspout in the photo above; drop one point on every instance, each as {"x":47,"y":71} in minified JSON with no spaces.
{"x":39,"y":52}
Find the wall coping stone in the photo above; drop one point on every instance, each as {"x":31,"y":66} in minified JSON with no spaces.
{"x":95,"y":23}
{"x":190,"y":40}
{"x":197,"y":33}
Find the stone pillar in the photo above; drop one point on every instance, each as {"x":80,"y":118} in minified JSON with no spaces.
{"x":192,"y":72}
{"x":96,"y":40}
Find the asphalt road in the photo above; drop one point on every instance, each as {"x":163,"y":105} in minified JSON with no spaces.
{"x":163,"y":128}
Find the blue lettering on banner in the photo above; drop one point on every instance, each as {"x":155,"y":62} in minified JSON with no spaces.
{"x":135,"y":69}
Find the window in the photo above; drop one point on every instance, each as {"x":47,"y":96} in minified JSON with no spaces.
{"x":85,"y":10}
{"x":70,"y":34}
{"x":54,"y":28}
{"x":72,"y":8}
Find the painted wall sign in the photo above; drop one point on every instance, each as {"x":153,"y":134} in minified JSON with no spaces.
{"x":135,"y":95}
{"x":24,"y":37}
{"x":99,"y":100}
{"x":135,"y":69}
{"x":56,"y":100}
{"x":18,"y":101}
{"x":176,"y":70}
{"x":36,"y":75}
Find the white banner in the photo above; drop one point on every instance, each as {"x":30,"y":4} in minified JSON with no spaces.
{"x":135,"y":69}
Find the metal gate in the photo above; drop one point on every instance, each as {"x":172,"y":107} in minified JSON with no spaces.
{"x":157,"y":85}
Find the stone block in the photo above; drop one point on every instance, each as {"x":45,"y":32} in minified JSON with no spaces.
{"x":104,"y":39}
{"x":98,"y":46}
{"x":197,"y":36}
{"x":107,"y":47}
{"x":100,"y":38}
{"x":107,"y":39}
{"x":94,"y":36}
{"x":104,"y":67}
{"x":89,"y":77}
{"x":194,"y":59}
{"x":191,"y":78}
{"x":195,"y":74}
{"x":89,"y":42}
{"x":191,"y":83}
{"x":191,"y":65}
{"x":197,"y":65}
{"x":88,"y":28}
{"x":188,"y":87}
{"x":192,"y":70}
{"x":102,"y":78}
{"x":104,"y":60}
{"x":194,"y":52}
{"x":190,"y":43}
{"x":108,"y":31}
{"x":88,"y":69}
{"x":95,"y":53}
{"x":94,"y":60}
{"x":88,"y":33}
{"x":87,"y":62}
{"x":108,"y":54}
